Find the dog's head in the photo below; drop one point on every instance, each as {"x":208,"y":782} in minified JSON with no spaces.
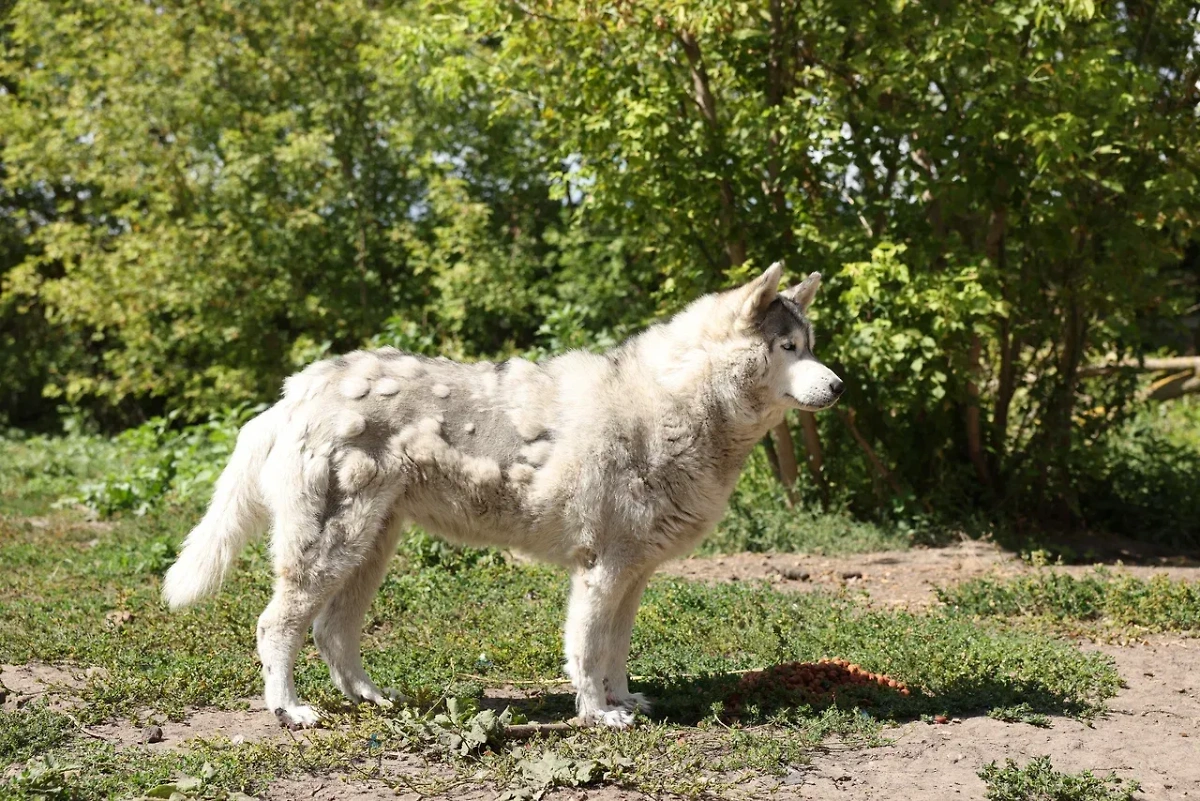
{"x":780,"y":331}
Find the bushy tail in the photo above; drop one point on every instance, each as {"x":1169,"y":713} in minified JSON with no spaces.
{"x":234,"y":516}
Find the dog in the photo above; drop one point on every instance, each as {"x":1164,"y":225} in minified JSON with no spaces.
{"x":606,"y":464}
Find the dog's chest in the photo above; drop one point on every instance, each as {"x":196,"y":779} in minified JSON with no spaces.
{"x":671,"y":478}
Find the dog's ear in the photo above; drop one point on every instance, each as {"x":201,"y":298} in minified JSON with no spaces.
{"x":758,"y":294}
{"x":802,"y":294}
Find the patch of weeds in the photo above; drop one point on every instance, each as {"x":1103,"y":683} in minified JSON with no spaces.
{"x":82,"y":769}
{"x":37,"y":470}
{"x":31,"y":730}
{"x":460,"y":730}
{"x":1114,"y":601}
{"x":758,"y":519}
{"x":1039,"y":781}
{"x":952,"y":664}
{"x":425,"y":551}
{"x":542,"y":771}
{"x":1019,"y":713}
{"x":169,"y":462}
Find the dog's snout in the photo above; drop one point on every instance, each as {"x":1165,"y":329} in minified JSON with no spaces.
{"x":837,"y":386}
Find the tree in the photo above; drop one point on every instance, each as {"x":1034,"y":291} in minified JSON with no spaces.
{"x":995,"y":191}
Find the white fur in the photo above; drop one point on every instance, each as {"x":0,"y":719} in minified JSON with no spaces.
{"x":606,"y":465}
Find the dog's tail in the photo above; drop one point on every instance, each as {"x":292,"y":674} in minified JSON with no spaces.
{"x":234,"y":516}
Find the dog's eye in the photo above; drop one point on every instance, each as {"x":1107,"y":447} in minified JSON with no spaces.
{"x":788,"y":345}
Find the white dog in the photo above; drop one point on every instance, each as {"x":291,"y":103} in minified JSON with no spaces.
{"x":605,"y":464}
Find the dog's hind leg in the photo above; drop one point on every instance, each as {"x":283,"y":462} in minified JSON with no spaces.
{"x":313,"y":561}
{"x":281,"y":630}
{"x":338,"y":628}
{"x":593,"y":643}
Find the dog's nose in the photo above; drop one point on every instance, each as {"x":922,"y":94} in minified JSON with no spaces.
{"x":837,"y":386}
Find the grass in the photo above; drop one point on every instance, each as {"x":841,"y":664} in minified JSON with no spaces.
{"x":1100,"y":600}
{"x":34,"y":730}
{"x":1039,"y":781}
{"x":450,"y":624}
{"x":441,"y":624}
{"x":759,"y":519}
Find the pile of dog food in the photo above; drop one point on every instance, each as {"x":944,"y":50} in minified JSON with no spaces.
{"x":814,"y":683}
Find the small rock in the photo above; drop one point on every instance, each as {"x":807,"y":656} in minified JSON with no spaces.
{"x":152,"y":734}
{"x":941,"y":719}
{"x":852,"y":574}
{"x":238,"y":739}
{"x":118,"y":618}
{"x":794,"y":574}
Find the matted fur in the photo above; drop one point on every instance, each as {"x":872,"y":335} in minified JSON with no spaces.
{"x":605,"y":464}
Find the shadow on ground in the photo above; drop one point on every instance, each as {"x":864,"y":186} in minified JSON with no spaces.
{"x":686,"y":701}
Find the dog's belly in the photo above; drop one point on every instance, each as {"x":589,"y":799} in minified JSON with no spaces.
{"x":494,"y":528}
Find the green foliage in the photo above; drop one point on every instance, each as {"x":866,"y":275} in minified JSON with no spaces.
{"x":231,"y":192}
{"x":1121,"y":602}
{"x":1140,"y":481}
{"x":32,"y":730}
{"x":196,"y":201}
{"x":1039,"y":781}
{"x":758,"y":519}
{"x":461,"y":730}
{"x":979,"y":184}
{"x":169,"y":464}
{"x":1019,"y":713}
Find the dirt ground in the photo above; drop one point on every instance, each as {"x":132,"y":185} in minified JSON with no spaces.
{"x":1151,"y":732}
{"x":892,"y":578}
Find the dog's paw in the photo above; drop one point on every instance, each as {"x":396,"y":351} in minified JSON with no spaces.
{"x":297,"y":717}
{"x":614,"y":718}
{"x":384,"y":698}
{"x":631,"y":702}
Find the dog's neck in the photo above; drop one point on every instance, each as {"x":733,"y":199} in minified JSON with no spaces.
{"x":709,"y":379}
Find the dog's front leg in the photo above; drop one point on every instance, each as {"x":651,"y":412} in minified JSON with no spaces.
{"x":617,"y":676}
{"x":599,"y":623}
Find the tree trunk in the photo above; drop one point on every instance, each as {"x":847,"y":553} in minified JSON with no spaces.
{"x":735,"y":244}
{"x":814,"y":454}
{"x":776,"y":470}
{"x":974,"y":429}
{"x":786,"y":455}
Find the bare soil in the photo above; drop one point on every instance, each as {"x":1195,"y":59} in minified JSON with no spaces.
{"x":893,"y":578}
{"x":39,"y":682}
{"x":247,"y":725}
{"x":1151,"y":733}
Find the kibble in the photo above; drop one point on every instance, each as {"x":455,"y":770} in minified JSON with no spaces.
{"x":815,"y":683}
